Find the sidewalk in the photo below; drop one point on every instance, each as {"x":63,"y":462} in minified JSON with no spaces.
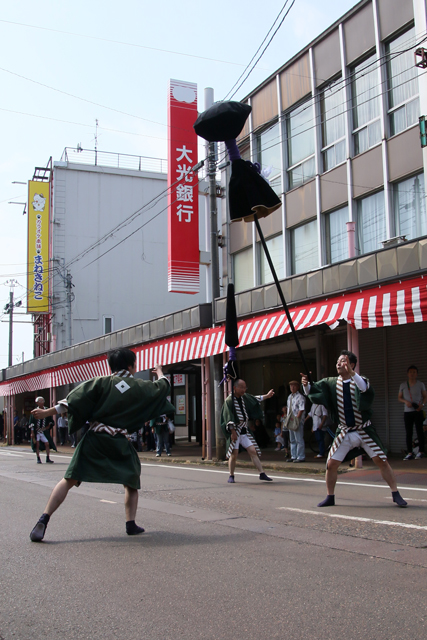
{"x":408,"y":472}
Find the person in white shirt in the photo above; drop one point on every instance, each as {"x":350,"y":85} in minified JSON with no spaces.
{"x":319,"y":415}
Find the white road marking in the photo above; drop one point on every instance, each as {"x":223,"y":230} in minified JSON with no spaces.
{"x":255,"y":475}
{"x":52,"y":454}
{"x":108,"y":501}
{"x":14,"y":455}
{"x":412,"y":499}
{"x":372,"y":520}
{"x":291,"y":478}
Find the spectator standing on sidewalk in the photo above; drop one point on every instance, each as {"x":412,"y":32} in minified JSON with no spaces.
{"x":296,"y":404}
{"x":161,"y":429}
{"x":62,"y":424}
{"x":319,"y":415}
{"x":413,"y":395}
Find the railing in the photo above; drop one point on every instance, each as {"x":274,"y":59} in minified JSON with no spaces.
{"x":116,"y":160}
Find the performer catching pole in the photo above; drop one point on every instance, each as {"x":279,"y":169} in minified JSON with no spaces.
{"x":115,"y":406}
{"x":237,"y":410}
{"x":239,"y":407}
{"x":249,"y":194}
{"x":349,"y":399}
{"x":40,"y":436}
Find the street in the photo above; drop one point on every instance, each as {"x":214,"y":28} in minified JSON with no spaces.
{"x":246,"y":561}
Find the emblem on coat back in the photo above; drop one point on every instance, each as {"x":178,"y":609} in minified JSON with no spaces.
{"x":122,"y":386}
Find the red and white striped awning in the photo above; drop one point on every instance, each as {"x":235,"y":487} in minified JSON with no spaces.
{"x":394,"y":304}
{"x":383,"y":306}
{"x":74,"y":372}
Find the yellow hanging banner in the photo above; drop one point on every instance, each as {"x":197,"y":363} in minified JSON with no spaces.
{"x":38,"y":281}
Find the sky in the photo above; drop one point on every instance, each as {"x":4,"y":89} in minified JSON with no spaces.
{"x":64,"y":65}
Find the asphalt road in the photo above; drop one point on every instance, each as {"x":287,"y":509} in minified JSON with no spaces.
{"x":246,"y":561}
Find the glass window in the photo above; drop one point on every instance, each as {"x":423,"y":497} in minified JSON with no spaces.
{"x":108,"y":324}
{"x":403,"y":101}
{"x":300,"y":136}
{"x":304,"y":248}
{"x":366,"y":105}
{"x":245,"y":150}
{"x":275,"y":248}
{"x":410,"y":207}
{"x":371,"y":222}
{"x":268,"y":150}
{"x":332,"y":108}
{"x":243,"y":267}
{"x":336,"y":235}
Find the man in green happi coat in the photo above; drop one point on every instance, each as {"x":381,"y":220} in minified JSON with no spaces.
{"x":114,"y":406}
{"x":40,"y":436}
{"x":237,"y":410}
{"x":349,"y":398}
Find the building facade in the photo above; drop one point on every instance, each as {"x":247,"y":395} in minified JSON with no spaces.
{"x":110,"y":245}
{"x":337,"y":130}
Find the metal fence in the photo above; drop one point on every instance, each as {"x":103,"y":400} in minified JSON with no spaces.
{"x":115,"y":160}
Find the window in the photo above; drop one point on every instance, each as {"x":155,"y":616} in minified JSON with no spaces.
{"x":268,"y":155}
{"x":366,"y":105}
{"x":300,"y":136}
{"x":332,"y":108}
{"x":245,"y":150}
{"x":336,"y":235}
{"x":275,"y":248}
{"x":243,"y":270}
{"x":304,"y":248}
{"x":410,"y":207}
{"x":403,"y":101}
{"x":108,"y":324}
{"x":371,"y":222}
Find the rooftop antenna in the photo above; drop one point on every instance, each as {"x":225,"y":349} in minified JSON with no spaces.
{"x":96,"y":140}
{"x":79,"y":147}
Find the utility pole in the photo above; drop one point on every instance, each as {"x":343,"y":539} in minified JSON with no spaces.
{"x":216,"y":361}
{"x":9,"y":309}
{"x":70,"y":297}
{"x":9,"y":363}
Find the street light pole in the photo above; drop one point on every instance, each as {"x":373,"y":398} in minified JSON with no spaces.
{"x":9,"y":309}
{"x":215,"y":361}
{"x":10,"y":326}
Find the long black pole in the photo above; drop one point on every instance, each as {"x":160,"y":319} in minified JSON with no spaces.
{"x":281,"y":296}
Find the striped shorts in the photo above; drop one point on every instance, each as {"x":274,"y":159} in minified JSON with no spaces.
{"x":352,"y":440}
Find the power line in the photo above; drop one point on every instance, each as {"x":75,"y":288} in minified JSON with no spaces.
{"x":263,"y":51}
{"x":81,"y":124}
{"x":109,"y":234}
{"x":256,"y":52}
{"x":126,"y":44}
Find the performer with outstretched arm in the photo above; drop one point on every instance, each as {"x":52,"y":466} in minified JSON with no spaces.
{"x":349,"y":398}
{"x":237,"y":410}
{"x":115,"y":406}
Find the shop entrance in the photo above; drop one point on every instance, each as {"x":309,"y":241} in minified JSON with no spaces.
{"x":186,"y":396}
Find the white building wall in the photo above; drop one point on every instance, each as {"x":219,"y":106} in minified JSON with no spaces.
{"x":129,"y":282}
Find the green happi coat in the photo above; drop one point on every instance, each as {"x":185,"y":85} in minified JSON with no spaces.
{"x":32,"y":424}
{"x":228,"y":413}
{"x":121,"y":402}
{"x":325,"y":392}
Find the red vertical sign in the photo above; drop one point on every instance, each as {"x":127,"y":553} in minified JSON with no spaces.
{"x":183,"y":200}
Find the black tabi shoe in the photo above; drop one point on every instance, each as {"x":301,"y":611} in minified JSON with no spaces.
{"x":132,"y":528}
{"x":397,"y":498}
{"x":264,"y":476}
{"x":49,"y":461}
{"x":329,"y":501}
{"x":39,"y":461}
{"x":37,"y":534}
